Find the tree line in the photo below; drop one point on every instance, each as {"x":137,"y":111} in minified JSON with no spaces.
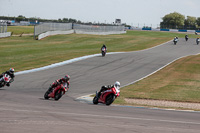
{"x":34,"y":19}
{"x":178,"y":21}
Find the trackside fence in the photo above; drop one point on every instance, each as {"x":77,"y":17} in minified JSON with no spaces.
{"x":3,"y":30}
{"x":3,"y":27}
{"x":47,"y":29}
{"x":42,"y":28}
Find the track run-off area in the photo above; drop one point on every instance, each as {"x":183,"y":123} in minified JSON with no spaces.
{"x":24,"y":110}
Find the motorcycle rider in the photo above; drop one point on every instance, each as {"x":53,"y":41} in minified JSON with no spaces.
{"x":186,"y":37}
{"x":10,"y":73}
{"x":197,"y":40}
{"x":60,"y":81}
{"x":104,"y":46}
{"x":104,"y":88}
{"x":175,"y":39}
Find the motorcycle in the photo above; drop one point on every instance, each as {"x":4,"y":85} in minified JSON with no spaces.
{"x":57,"y":92}
{"x":103,"y":51}
{"x":175,"y":41}
{"x":186,"y":38}
{"x":107,"y":97}
{"x":5,"y":80}
{"x":198,"y":40}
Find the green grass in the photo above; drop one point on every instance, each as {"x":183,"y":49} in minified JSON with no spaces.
{"x":24,"y":52}
{"x":180,"y":81}
{"x":17,"y":30}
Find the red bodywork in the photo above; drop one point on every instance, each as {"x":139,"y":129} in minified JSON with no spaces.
{"x":59,"y":88}
{"x":7,"y":78}
{"x":102,"y":98}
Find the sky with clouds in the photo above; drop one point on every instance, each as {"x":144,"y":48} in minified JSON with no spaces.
{"x":133,"y":12}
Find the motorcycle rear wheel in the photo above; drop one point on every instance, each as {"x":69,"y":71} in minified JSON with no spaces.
{"x":58,"y":95}
{"x":110,"y":99}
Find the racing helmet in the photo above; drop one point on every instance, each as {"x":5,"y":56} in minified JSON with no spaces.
{"x":117,"y":84}
{"x":67,"y":77}
{"x":12,"y":70}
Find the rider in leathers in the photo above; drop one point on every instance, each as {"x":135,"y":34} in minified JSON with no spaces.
{"x":60,"y":81}
{"x":104,"y":46}
{"x":10,"y":73}
{"x":104,"y":88}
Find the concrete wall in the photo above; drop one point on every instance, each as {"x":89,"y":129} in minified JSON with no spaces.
{"x":99,"y":33}
{"x":6,"y":34}
{"x":50,"y":33}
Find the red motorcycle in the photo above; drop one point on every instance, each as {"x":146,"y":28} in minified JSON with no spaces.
{"x":4,"y":80}
{"x":57,"y":92}
{"x":107,"y":97}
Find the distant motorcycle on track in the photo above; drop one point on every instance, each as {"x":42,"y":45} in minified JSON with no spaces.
{"x":175,"y":40}
{"x":5,"y":80}
{"x":103,"y":51}
{"x":197,"y":41}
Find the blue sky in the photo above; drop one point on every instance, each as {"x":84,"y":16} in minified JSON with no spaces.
{"x":133,"y":12}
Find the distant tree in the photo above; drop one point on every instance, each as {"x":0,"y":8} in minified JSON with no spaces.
{"x":190,"y":22}
{"x":173,"y":20}
{"x":60,"y":20}
{"x":72,"y":20}
{"x":198,"y":21}
{"x":65,"y":20}
{"x":20,"y":18}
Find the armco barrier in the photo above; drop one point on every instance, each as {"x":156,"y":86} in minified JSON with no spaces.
{"x":6,"y":34}
{"x":164,"y":29}
{"x":99,"y":33}
{"x":146,"y":28}
{"x":49,"y":33}
{"x":182,"y":30}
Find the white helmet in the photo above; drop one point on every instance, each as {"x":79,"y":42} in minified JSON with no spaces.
{"x":117,"y":84}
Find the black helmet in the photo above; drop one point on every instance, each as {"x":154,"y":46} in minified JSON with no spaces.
{"x":67,"y":77}
{"x":12,"y":70}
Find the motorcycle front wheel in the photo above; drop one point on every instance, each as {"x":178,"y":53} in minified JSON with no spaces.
{"x":95,"y":100}
{"x":46,"y":95}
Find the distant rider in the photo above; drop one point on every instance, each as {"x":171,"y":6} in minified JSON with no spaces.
{"x":11,"y":74}
{"x":198,"y":40}
{"x":104,"y":46}
{"x":176,"y":39}
{"x":186,"y":37}
{"x":104,"y":88}
{"x":61,"y":81}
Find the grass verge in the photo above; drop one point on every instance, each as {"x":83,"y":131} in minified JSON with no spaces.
{"x":24,"y":53}
{"x":180,"y":81}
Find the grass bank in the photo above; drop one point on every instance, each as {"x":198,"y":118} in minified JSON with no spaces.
{"x":180,"y":81}
{"x":24,"y":52}
{"x":18,"y":30}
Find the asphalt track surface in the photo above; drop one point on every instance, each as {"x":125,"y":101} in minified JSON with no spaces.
{"x":24,"y":110}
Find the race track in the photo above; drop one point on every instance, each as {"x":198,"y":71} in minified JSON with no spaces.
{"x":23,"y":109}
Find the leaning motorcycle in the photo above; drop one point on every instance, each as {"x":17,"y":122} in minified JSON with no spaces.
{"x":57,"y":92}
{"x":198,"y":40}
{"x":5,"y":80}
{"x":103,"y":51}
{"x":175,"y":41}
{"x":107,"y":97}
